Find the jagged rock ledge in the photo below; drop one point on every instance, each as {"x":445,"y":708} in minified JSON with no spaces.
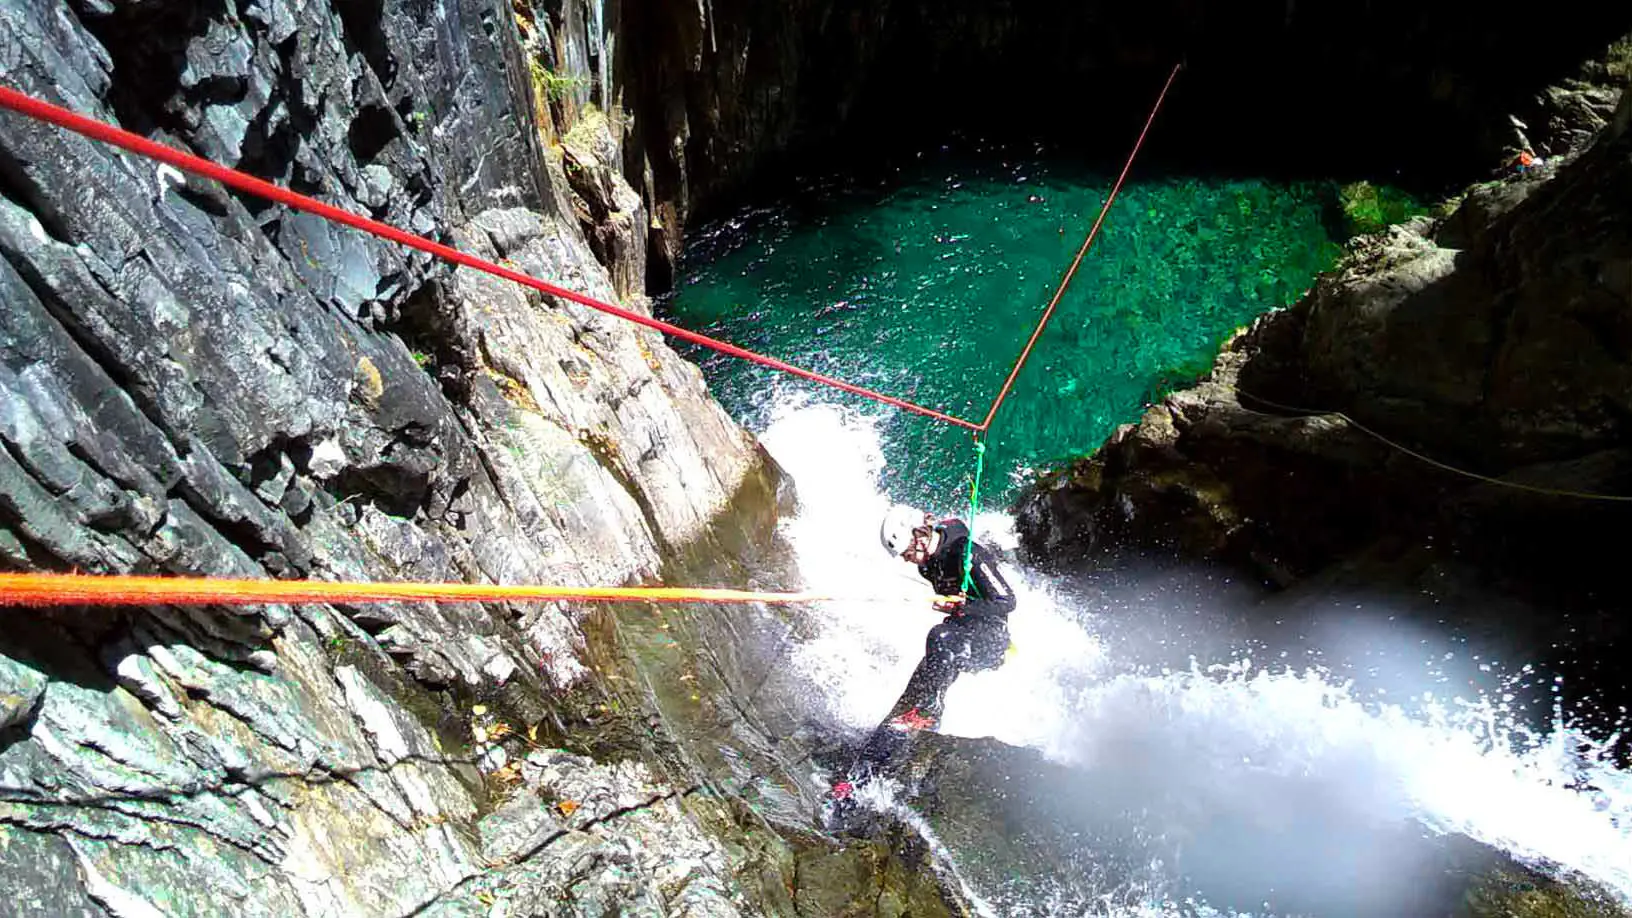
{"x":1495,"y":340}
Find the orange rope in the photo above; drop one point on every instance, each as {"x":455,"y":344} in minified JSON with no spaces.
{"x":128,"y":590}
{"x":1059,"y":293}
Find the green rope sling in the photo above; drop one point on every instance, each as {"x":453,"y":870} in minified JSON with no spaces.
{"x":974,"y":507}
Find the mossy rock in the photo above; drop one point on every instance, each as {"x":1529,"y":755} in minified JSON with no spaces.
{"x":1511,"y":892}
{"x":1619,"y":59}
{"x":892,"y":877}
{"x":1370,"y":209}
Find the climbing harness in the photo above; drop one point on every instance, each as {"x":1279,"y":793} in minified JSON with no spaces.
{"x":45,"y":589}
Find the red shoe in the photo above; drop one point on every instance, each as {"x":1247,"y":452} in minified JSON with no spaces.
{"x":911,"y":721}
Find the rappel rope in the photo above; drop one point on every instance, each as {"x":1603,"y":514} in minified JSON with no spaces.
{"x":48,"y":589}
{"x":249,"y":184}
{"x":1048,"y":313}
{"x":35,"y":589}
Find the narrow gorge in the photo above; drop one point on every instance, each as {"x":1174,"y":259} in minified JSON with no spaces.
{"x":195,"y":381}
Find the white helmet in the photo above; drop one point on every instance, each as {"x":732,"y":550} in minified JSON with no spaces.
{"x":896,"y":530}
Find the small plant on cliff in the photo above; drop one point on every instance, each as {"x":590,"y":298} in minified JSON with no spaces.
{"x":1369,"y":209}
{"x":1619,"y":61}
{"x":552,"y":85}
{"x":343,"y":648}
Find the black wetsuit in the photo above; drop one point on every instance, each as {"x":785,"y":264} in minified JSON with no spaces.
{"x":971,"y":639}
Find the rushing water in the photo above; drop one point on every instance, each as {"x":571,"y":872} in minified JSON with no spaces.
{"x":1189,"y":735}
{"x":928,"y":291}
{"x":1197,"y":746}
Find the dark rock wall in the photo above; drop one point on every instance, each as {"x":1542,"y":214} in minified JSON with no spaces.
{"x":1336,"y":446}
{"x":1494,"y":339}
{"x":196,"y":382}
{"x":717,"y":93}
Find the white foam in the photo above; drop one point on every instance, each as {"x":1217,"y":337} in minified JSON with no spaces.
{"x":866,"y":650}
{"x":1238,"y":736}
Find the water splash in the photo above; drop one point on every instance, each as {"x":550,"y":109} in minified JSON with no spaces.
{"x":867,"y":648}
{"x":1220,"y":739}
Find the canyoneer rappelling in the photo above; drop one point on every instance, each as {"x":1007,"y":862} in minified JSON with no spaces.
{"x":977,"y":601}
{"x":973,"y":595}
{"x":974,"y":636}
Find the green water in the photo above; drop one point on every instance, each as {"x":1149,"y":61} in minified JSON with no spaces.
{"x":929,"y":289}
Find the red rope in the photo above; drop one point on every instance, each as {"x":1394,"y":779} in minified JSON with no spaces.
{"x":1100,"y":220}
{"x":107,"y":133}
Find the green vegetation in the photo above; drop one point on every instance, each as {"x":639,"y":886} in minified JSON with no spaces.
{"x":551,"y":85}
{"x":344,"y":649}
{"x":1619,"y":62}
{"x":1370,"y":209}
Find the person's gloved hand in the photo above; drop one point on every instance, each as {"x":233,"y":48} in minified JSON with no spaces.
{"x":949,"y":604}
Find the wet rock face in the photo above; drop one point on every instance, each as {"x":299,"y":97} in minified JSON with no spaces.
{"x":197,"y":382}
{"x":1566,"y":117}
{"x":1117,"y":829}
{"x":617,"y":843}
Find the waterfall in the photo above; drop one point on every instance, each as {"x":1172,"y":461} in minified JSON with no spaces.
{"x":1219,"y":739}
{"x":602,"y":43}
